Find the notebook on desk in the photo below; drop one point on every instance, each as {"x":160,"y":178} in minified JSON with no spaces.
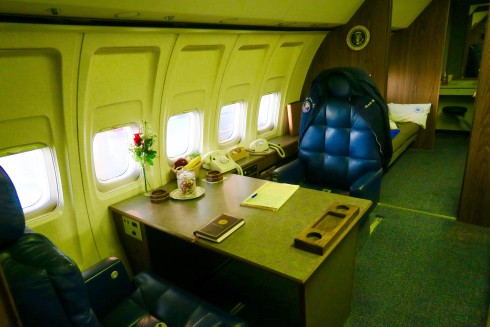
{"x":270,"y":196}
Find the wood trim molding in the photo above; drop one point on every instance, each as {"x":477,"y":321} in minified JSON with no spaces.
{"x":475,"y":197}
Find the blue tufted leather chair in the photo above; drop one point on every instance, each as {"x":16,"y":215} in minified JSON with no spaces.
{"x":340,"y":150}
{"x":49,"y":290}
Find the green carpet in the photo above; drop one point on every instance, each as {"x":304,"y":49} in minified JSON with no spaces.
{"x":421,"y":270}
{"x":428,"y":180}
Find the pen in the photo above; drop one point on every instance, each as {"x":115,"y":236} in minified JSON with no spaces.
{"x":253,"y":196}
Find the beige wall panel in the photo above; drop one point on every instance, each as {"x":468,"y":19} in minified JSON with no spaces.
{"x":37,"y":92}
{"x":278,"y":75}
{"x":298,"y":75}
{"x":194,"y":78}
{"x":121,"y":82}
{"x":241,"y":82}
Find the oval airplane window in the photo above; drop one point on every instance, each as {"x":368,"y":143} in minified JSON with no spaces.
{"x":112,"y":158}
{"x":268,"y":109}
{"x":183,"y":134}
{"x":229,"y":123}
{"x":32,"y":173}
{"x":113,"y":163}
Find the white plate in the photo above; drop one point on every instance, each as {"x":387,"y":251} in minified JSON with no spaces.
{"x":177,"y":195}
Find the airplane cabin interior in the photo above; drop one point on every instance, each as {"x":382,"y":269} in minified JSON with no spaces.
{"x":244,"y":163}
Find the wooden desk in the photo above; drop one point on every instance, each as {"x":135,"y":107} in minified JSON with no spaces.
{"x":310,"y":288}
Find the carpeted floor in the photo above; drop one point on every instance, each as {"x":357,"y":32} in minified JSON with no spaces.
{"x":418,"y":268}
{"x":428,"y":180}
{"x":421,"y":270}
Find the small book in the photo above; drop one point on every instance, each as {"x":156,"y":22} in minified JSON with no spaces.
{"x":219,"y":228}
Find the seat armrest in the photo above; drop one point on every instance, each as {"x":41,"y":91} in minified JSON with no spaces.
{"x":107,"y":284}
{"x":291,"y":173}
{"x":368,"y":187}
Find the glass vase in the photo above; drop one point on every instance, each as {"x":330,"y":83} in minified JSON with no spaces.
{"x":145,"y":181}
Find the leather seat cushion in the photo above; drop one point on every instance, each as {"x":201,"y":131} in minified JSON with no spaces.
{"x":46,"y":285}
{"x":11,"y":215}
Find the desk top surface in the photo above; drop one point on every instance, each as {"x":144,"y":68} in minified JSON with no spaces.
{"x":267,"y":237}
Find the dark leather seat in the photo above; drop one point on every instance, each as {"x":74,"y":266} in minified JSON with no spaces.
{"x":345,"y":144}
{"x":49,"y":290}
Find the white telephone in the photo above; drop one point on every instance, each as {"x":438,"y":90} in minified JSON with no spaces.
{"x":220,"y":161}
{"x":260,"y":146}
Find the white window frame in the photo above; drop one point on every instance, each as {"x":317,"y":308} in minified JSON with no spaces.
{"x":49,"y":202}
{"x":130,"y":175}
{"x":238,"y":124}
{"x":194,"y":135}
{"x":272,"y":112}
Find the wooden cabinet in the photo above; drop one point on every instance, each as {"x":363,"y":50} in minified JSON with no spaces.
{"x":460,"y":94}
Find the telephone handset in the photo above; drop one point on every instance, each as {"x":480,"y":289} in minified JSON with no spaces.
{"x":260,"y":146}
{"x":220,"y":161}
{"x":237,"y":153}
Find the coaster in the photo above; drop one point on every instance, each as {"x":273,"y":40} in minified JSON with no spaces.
{"x":214,"y":176}
{"x":177,"y":195}
{"x":158,"y":196}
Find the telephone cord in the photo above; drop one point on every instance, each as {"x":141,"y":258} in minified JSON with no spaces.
{"x":238,"y":167}
{"x":279,"y":149}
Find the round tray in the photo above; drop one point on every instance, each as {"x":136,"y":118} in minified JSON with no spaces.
{"x":177,"y":195}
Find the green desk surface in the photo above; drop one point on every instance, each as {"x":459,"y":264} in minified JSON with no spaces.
{"x":267,"y":238}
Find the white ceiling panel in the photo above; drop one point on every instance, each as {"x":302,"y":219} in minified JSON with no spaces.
{"x":290,"y":13}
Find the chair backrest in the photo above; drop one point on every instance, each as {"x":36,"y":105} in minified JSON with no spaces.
{"x":339,"y":144}
{"x":46,"y":285}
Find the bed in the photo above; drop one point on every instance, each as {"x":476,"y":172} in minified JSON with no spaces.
{"x":405,"y":122}
{"x":407,"y":134}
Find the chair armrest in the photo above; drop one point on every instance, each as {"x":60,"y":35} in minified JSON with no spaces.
{"x":107,"y":284}
{"x":368,"y":186}
{"x":291,"y":173}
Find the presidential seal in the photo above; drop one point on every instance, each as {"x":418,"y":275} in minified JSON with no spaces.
{"x":306,"y":105}
{"x":358,"y":37}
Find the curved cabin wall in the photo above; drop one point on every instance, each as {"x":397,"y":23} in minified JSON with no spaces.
{"x":38,"y":92}
{"x":120,"y":83}
{"x":61,"y":85}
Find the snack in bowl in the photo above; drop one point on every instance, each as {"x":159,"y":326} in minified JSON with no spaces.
{"x":186,"y":182}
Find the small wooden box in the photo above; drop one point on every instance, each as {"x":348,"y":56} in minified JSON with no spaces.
{"x":320,"y":234}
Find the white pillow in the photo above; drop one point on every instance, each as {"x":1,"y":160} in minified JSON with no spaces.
{"x":402,"y":113}
{"x":393,"y":125}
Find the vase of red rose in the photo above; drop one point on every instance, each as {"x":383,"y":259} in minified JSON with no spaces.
{"x":143,"y":153}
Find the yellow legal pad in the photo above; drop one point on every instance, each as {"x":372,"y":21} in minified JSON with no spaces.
{"x":270,"y":196}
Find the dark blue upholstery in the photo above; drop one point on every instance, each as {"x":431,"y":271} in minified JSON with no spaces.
{"x":338,"y":151}
{"x":49,"y":290}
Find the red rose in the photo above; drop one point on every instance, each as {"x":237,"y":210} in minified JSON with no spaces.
{"x":137,"y":139}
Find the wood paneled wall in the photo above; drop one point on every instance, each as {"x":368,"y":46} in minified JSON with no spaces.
{"x":334,"y":52}
{"x":415,"y":64}
{"x":475,"y":197}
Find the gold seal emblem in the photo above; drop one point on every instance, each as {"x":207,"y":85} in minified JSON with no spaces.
{"x":358,"y":37}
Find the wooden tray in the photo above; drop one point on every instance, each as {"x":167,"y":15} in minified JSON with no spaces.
{"x":320,"y":234}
